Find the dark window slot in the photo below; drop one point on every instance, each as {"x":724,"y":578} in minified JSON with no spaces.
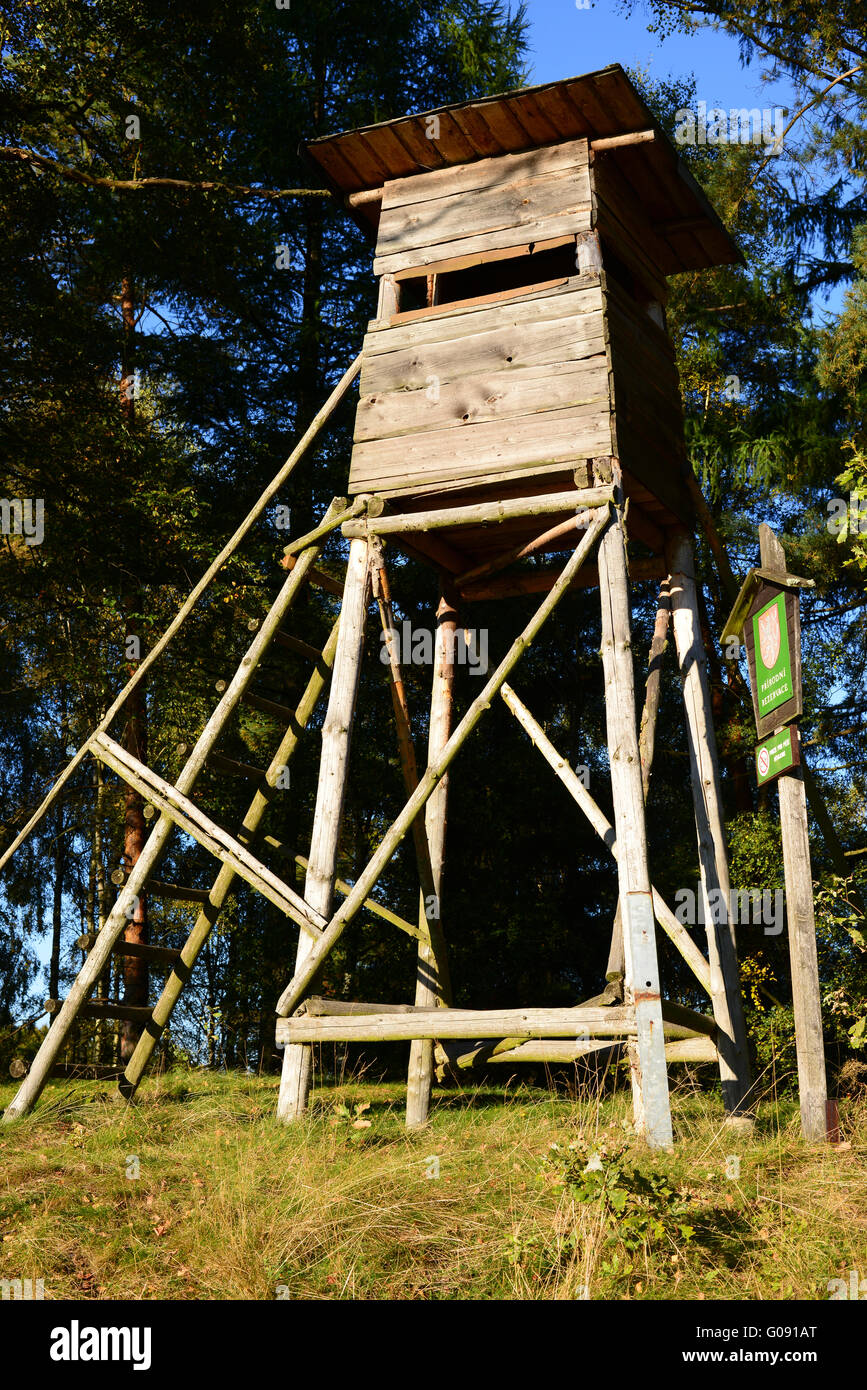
{"x":490,"y":278}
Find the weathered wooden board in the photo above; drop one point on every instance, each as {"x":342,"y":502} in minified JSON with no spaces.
{"x":504,"y":206}
{"x":489,"y":396}
{"x":510,"y":348}
{"x":573,"y":217}
{"x":552,"y":436}
{"x":527,"y":201}
{"x":623,"y":219}
{"x":545,"y":476}
{"x":583,"y":295}
{"x":484,"y":173}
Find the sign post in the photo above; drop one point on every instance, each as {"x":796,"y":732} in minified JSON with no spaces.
{"x":767,"y":612}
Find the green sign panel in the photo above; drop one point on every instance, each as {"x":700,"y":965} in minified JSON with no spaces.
{"x":777,"y":755}
{"x":774,"y":680}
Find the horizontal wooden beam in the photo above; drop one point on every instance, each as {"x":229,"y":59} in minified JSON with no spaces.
{"x":550,"y":1052}
{"x":691,"y":1050}
{"x":159,"y":955}
{"x":318,"y":1007}
{"x":220,"y":763}
{"x":616,"y":142}
{"x":459,"y":1023}
{"x":688,"y":1018}
{"x":483,"y":513}
{"x":105,"y":1008}
{"x":156,"y":888}
{"x":457,"y":1056}
{"x":295,"y":644}
{"x":272,"y":707}
{"x":363,"y":197}
{"x":318,"y":578}
{"x":68,"y":1071}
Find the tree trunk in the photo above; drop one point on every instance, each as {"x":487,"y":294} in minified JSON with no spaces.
{"x":57,"y":907}
{"x":135,"y":970}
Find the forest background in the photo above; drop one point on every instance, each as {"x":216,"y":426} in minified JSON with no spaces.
{"x":163,"y":344}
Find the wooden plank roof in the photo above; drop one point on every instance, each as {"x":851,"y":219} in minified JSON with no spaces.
{"x":596,"y":105}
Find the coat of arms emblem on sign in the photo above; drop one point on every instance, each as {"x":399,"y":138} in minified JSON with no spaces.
{"x":769,"y":636}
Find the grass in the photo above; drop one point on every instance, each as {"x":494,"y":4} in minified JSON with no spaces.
{"x":228,"y":1204}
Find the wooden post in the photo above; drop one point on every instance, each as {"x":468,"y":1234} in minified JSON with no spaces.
{"x":710,"y":829}
{"x":430,"y":928}
{"x":428,"y":988}
{"x":650,"y":1079}
{"x":806,"y":994}
{"x":646,"y":744}
{"x":330,"y":795}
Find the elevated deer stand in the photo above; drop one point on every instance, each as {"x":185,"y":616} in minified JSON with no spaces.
{"x":518,"y":398}
{"x":518,"y":389}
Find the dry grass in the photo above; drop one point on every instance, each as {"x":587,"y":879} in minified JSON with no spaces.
{"x":230,"y":1205}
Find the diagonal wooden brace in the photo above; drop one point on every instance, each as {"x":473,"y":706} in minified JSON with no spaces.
{"x":188,"y":817}
{"x":675,"y":930}
{"x":296,"y":989}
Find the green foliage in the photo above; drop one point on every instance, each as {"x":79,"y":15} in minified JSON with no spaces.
{"x":840,"y":925}
{"x":636,"y":1209}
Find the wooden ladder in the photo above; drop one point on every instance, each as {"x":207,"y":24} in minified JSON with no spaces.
{"x":176,"y":809}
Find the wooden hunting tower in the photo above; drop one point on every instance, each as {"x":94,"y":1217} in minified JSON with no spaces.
{"x":523,"y":244}
{"x":519,"y":397}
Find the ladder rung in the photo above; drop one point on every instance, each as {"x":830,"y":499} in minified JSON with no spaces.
{"x":69,"y":1071}
{"x":281,"y":712}
{"x":160,"y":955}
{"x":295,"y":644}
{"x":318,"y":578}
{"x":105,"y":1008}
{"x":158,"y":889}
{"x":235,"y":769}
{"x":214,"y":838}
{"x":142,"y":950}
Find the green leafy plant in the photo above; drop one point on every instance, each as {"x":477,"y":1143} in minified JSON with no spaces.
{"x":341,"y":1114}
{"x":636,"y":1208}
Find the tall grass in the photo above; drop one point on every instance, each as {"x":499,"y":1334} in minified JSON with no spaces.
{"x":228,"y":1204}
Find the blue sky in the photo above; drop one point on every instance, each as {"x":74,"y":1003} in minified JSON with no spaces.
{"x":566,"y":41}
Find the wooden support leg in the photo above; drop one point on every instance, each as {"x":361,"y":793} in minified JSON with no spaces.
{"x":710,"y":829}
{"x":330,"y":795}
{"x":429,"y":986}
{"x":429,"y":926}
{"x":646,"y":744}
{"x":650,"y":1079}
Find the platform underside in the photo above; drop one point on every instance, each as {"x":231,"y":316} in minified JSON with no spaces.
{"x":459,"y":549}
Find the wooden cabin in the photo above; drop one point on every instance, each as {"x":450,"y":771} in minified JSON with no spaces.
{"x":522,"y":247}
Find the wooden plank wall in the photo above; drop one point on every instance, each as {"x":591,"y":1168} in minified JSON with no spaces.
{"x":648,"y":420}
{"x":498,"y":391}
{"x":488,"y":205}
